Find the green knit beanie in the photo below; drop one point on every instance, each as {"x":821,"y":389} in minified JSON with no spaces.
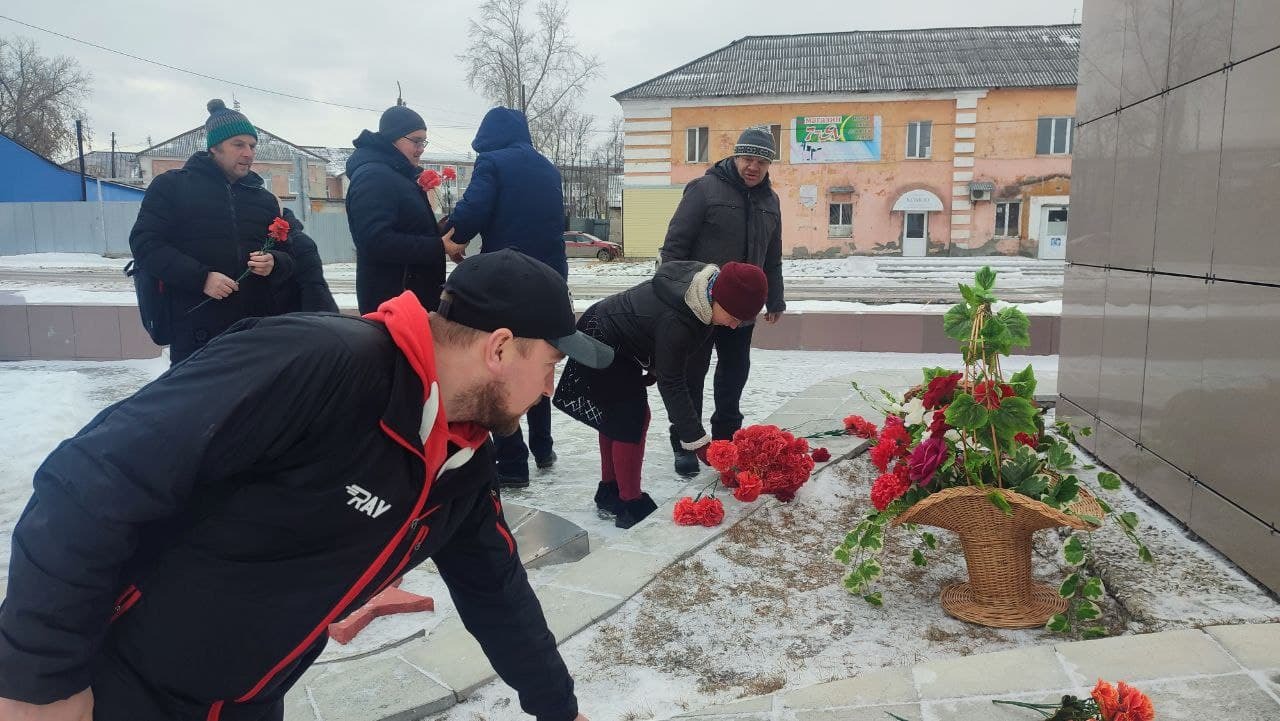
{"x":224,"y":123}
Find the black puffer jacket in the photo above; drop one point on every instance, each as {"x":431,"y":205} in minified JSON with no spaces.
{"x":306,"y":291}
{"x":193,"y":222}
{"x":720,"y":219}
{"x":398,"y":245}
{"x":654,"y":325}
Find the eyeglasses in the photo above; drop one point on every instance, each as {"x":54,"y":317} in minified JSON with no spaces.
{"x":419,"y":142}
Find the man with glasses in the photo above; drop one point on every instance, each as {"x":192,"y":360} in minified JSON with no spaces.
{"x":729,"y":214}
{"x":398,"y":245}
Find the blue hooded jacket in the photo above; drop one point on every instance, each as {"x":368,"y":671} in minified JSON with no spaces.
{"x":514,"y":199}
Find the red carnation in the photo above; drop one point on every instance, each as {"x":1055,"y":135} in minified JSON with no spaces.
{"x":278,"y":231}
{"x":749,"y":487}
{"x":860,"y":427}
{"x":428,"y":180}
{"x":882,"y":454}
{"x":887,"y":488}
{"x":722,"y":455}
{"x":894,"y":431}
{"x":939,"y":424}
{"x":821,"y":455}
{"x":449,"y":173}
{"x":710,"y":511}
{"x":940,"y":390}
{"x":1132,"y":705}
{"x":1027,"y":440}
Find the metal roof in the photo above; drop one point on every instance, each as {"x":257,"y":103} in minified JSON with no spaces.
{"x":271,"y":148}
{"x":865,"y":61}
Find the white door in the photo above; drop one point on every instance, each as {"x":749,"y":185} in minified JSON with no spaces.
{"x":1053,"y":232}
{"x":915,"y":234}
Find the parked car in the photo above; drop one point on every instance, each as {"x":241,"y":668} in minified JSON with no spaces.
{"x":586,"y":245}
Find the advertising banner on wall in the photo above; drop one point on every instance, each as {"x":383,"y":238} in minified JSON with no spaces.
{"x":835,"y":139}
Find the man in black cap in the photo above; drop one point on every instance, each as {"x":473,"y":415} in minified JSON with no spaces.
{"x":729,"y":214}
{"x":183,"y":561}
{"x":398,"y":245}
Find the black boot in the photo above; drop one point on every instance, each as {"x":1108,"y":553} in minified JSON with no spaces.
{"x":687,"y":463}
{"x":546,"y":461}
{"x":634,"y":511}
{"x":607,"y":496}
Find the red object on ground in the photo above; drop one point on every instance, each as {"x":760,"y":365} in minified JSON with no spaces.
{"x":391,"y":601}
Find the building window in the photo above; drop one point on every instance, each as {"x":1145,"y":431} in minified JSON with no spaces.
{"x":1053,"y":135}
{"x":840,"y":221}
{"x":1009,"y":219}
{"x":293,"y":183}
{"x":915,"y":226}
{"x":920,"y":139}
{"x":695,"y":145}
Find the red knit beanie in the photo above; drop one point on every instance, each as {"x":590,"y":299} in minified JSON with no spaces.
{"x":740,"y":288}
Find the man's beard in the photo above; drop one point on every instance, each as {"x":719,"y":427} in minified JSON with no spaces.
{"x":487,"y":405}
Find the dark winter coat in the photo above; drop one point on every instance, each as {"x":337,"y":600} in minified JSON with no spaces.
{"x":720,"y":219}
{"x":514,"y":199}
{"x":653,"y":327}
{"x":398,"y":245}
{"x":306,"y":290}
{"x":233,"y":508}
{"x":193,"y":222}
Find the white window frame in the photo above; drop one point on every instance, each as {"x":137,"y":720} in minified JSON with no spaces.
{"x":696,"y":140}
{"x":906,"y":223}
{"x":1061,"y":128}
{"x":293,"y":184}
{"x":1017,"y":229}
{"x":914,"y":129}
{"x":840,"y":230}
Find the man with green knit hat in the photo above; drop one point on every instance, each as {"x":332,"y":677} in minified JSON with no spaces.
{"x":200,"y":228}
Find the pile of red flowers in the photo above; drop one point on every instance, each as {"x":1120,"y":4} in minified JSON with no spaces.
{"x":762,"y":459}
{"x":708,"y":511}
{"x":1121,"y":702}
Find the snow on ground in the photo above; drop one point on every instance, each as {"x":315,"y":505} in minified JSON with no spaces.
{"x":60,"y":261}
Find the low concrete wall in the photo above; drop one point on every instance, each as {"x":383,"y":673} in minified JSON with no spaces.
{"x":97,"y":332}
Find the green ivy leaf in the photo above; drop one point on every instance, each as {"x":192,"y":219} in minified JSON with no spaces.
{"x":1092,"y":589}
{"x":853,"y":582}
{"x":936,"y":371}
{"x":1017,"y":326}
{"x":1024,"y":383}
{"x":842,"y":554}
{"x":1021,"y":465}
{"x":1065,"y":491}
{"x":1106,"y":507}
{"x":1109,"y":481}
{"x":1088,"y":611}
{"x":873,"y":539}
{"x":929,"y":540}
{"x":997,"y":498}
{"x":1059,"y":623}
{"x":1035,"y":486}
{"x":1015,"y":415}
{"x":875,"y":599}
{"x":870,"y":570}
{"x":1060,"y":456}
{"x":967,"y":293}
{"x":965,"y":413}
{"x":1130,"y":520}
{"x":1073,"y":551}
{"x":1069,"y":586}
{"x":1093,"y":632}
{"x":994,"y":333}
{"x":958,"y":322}
{"x":1091,"y":520}
{"x":918,"y":558}
{"x":985,"y":278}
{"x":1086,"y":431}
{"x":1145,"y":554}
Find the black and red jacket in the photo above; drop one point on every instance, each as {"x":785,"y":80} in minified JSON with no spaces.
{"x":185,"y":552}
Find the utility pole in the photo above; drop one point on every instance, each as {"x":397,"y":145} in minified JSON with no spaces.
{"x":113,"y":154}
{"x":304,"y":198}
{"x":523,"y":108}
{"x":84,"y":193}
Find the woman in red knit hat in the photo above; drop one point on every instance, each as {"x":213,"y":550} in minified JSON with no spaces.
{"x":654,"y":328}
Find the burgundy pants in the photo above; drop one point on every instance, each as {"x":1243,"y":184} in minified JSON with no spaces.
{"x":621,"y":462}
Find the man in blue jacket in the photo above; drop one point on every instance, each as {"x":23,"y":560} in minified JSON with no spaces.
{"x":514,"y":200}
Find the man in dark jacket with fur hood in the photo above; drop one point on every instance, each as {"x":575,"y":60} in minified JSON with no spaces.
{"x":514,"y":200}
{"x":729,"y":214}
{"x":181,"y":558}
{"x":398,"y":246}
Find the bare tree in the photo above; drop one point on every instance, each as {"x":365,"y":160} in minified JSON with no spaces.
{"x":537,"y":69}
{"x":40,"y":97}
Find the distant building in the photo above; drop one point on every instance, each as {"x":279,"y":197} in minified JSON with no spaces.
{"x":905,"y":142}
{"x":98,"y":163}
{"x":336,"y":167}
{"x":28,"y":177}
{"x":275,"y":162}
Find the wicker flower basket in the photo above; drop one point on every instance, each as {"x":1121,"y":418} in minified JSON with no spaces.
{"x":1000,"y":591}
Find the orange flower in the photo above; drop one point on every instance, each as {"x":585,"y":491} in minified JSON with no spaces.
{"x":1104,"y":694}
{"x":428,"y":180}
{"x":450,"y":173}
{"x":278,"y":231}
{"x":1133,"y":705}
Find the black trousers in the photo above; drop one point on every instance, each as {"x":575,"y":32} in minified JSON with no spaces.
{"x":733,"y":365}
{"x":510,"y":452}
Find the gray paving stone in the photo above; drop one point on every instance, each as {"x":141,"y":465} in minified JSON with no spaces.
{"x":911,"y":712}
{"x":889,"y":686}
{"x":568,"y":611}
{"x":297,"y":707}
{"x":1003,"y":672}
{"x":981,"y":709}
{"x":666,"y":538}
{"x":451,"y":654}
{"x":1185,"y":652}
{"x":612,"y":571}
{"x":1237,"y":697}
{"x":378,"y":687}
{"x":733,"y":709}
{"x":1255,"y":646}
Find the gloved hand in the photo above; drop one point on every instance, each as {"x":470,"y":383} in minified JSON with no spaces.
{"x":702,"y":454}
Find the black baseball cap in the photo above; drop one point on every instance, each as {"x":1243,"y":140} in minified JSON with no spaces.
{"x":508,"y":289}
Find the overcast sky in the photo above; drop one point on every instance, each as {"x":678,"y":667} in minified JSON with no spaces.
{"x":354,"y":52}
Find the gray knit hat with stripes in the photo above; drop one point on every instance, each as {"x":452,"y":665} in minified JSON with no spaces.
{"x":224,"y":123}
{"x":757,"y":141}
